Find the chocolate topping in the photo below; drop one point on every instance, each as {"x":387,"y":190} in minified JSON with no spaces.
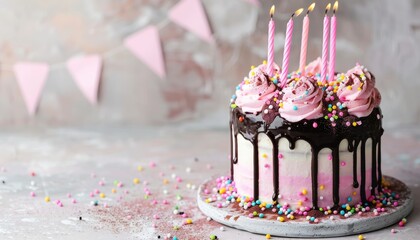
{"x":325,"y":135}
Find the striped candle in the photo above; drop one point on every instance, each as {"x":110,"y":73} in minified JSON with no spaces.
{"x":270,"y":50}
{"x":333,"y":37}
{"x":325,"y":39}
{"x":287,"y":48}
{"x":286,"y":53}
{"x":304,"y":43}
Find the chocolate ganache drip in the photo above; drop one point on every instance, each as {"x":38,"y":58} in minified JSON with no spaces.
{"x":324,"y":136}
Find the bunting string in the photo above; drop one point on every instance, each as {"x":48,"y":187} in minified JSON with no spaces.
{"x":145,"y":44}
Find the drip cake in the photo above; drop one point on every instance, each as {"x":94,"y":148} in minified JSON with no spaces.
{"x":307,"y":144}
{"x":306,"y":150}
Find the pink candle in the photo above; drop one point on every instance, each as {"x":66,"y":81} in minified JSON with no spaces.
{"x":333,"y":37}
{"x":325,"y":39}
{"x":304,"y":43}
{"x":287,"y":48}
{"x":270,"y":50}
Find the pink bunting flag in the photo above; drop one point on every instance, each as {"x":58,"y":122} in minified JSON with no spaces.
{"x":31,"y":77}
{"x":253,"y":2}
{"x":86,"y":72}
{"x":146,"y":46}
{"x":190,"y":15}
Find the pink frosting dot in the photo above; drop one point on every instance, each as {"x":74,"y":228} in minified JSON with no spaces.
{"x":330,"y":157}
{"x":343,"y":163}
{"x":280,"y":155}
{"x":315,"y":125}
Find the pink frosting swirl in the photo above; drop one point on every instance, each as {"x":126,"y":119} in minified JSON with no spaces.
{"x":302,"y":99}
{"x":313,"y":67}
{"x":255,"y":90}
{"x":358,"y":92}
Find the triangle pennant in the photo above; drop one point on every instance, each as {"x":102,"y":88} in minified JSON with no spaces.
{"x":146,"y":46}
{"x":86,"y":72}
{"x":31,"y":77}
{"x":190,"y":15}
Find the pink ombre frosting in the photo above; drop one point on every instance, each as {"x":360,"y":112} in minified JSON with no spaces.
{"x":255,"y":90}
{"x":302,"y":99}
{"x":313,"y":67}
{"x":358,"y":92}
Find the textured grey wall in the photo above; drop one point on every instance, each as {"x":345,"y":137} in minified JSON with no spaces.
{"x":384,"y":35}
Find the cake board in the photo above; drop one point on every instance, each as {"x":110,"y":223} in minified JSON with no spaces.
{"x":234,"y":217}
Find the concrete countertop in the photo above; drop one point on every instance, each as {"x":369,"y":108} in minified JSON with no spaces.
{"x":70,"y":164}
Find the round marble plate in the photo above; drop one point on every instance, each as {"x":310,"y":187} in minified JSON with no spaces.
{"x":234,"y":217}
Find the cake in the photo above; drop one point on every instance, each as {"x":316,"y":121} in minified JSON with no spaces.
{"x":306,"y":148}
{"x":309,"y":143}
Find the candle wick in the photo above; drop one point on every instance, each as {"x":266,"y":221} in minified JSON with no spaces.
{"x":310,"y":8}
{"x":327,"y":8}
